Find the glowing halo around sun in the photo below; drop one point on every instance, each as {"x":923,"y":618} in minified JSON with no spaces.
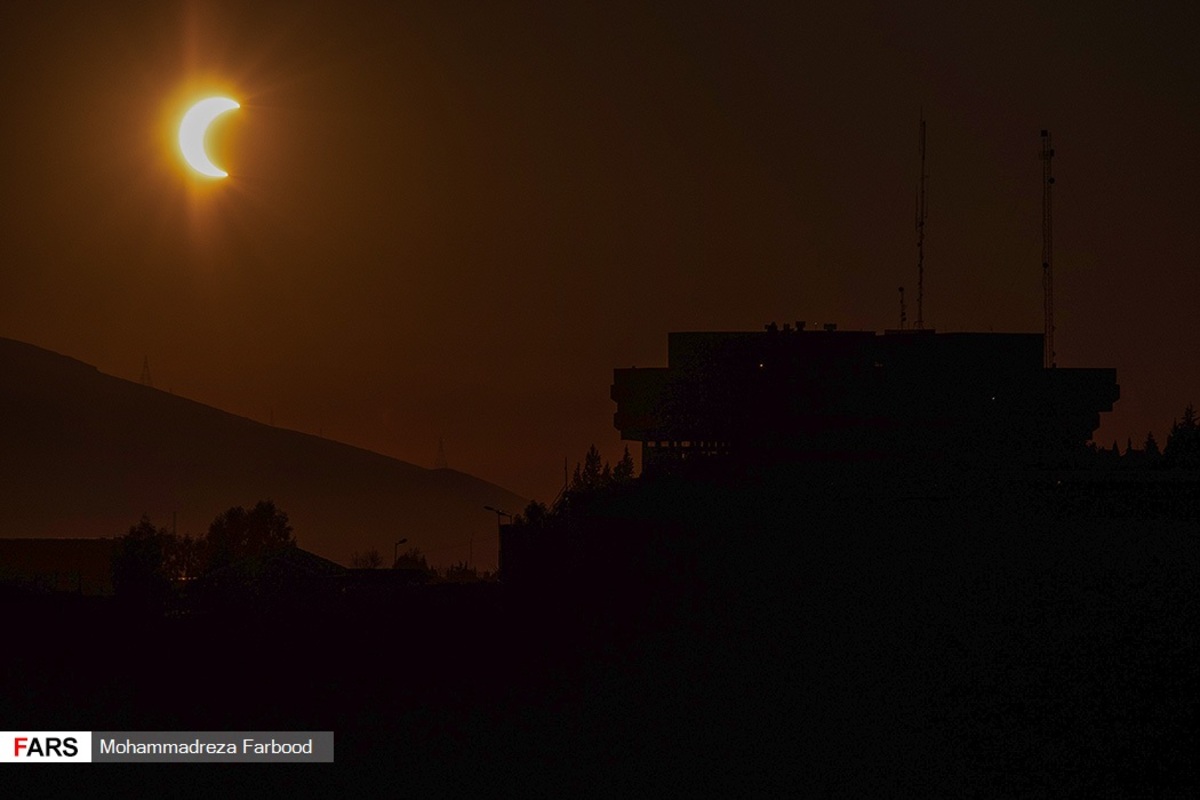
{"x":193,"y":128}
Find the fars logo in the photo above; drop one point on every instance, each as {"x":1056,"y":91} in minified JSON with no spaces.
{"x":32,"y":747}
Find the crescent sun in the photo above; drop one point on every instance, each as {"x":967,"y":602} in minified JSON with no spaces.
{"x":193,"y":128}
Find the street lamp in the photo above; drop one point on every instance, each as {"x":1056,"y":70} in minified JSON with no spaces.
{"x":396,"y":551}
{"x":499,"y":513}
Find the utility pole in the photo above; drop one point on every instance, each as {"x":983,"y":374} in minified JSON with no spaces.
{"x":1047,"y":253}
{"x":921,"y":235}
{"x":499,"y":539}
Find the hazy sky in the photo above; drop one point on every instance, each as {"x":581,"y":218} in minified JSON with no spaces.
{"x":454,"y":219}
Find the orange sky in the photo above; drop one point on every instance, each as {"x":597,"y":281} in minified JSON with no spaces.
{"x":447,"y":220}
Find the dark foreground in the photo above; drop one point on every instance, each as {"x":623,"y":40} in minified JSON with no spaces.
{"x":801,"y":636}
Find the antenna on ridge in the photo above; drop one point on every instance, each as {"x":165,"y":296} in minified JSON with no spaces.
{"x":440,"y":461}
{"x":1047,"y":253}
{"x":145,"y":380}
{"x":921,"y":234}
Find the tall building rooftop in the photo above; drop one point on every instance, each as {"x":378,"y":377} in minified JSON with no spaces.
{"x":795,"y":393}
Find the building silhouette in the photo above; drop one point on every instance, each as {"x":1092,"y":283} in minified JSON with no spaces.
{"x":793,"y":393}
{"x":74,"y":566}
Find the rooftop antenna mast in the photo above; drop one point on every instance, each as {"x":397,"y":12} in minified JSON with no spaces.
{"x":921,"y":235}
{"x":903,"y":310}
{"x":1047,"y":252}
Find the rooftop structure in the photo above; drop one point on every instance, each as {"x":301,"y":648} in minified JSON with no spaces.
{"x":798,"y":394}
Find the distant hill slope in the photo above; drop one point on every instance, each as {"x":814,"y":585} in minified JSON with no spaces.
{"x":84,"y":454}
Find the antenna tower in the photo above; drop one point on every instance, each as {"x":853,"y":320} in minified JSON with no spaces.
{"x":903,"y":310}
{"x":921,"y":235}
{"x":440,"y":461}
{"x":146,"y":372}
{"x":1047,"y":252}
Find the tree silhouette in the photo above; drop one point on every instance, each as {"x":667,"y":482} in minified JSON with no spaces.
{"x":596,"y":474}
{"x":535,"y":514}
{"x":185,"y":556}
{"x":460,"y":573}
{"x":412,"y":558}
{"x":590,"y":476}
{"x":238,"y":533}
{"x":140,"y":571}
{"x":371,"y":559}
{"x":592,"y":469}
{"x":1153,"y":453}
{"x":623,"y":472}
{"x":1183,"y":443}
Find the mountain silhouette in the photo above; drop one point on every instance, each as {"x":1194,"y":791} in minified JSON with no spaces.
{"x":84,"y":454}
